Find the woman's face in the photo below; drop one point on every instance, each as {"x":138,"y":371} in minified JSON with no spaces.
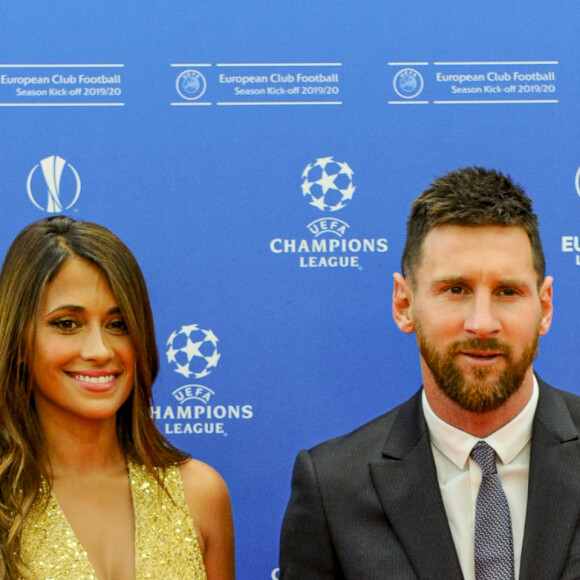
{"x":83,"y":358}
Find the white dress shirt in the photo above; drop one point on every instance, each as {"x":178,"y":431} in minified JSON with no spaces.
{"x":459,"y":476}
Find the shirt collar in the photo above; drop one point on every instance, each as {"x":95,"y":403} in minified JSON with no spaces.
{"x":507,"y":441}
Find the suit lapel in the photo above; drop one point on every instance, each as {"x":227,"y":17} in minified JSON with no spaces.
{"x":553,"y":492}
{"x":406,"y":482}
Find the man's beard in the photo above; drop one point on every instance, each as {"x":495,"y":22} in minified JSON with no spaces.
{"x":472,"y":393}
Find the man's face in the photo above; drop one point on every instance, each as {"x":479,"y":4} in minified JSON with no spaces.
{"x":477,"y":313}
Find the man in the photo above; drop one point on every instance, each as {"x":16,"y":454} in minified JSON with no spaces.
{"x":404,"y":496}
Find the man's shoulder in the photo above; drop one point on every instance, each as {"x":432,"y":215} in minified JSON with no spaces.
{"x":557,"y":398}
{"x":368,"y":440}
{"x":572,"y":399}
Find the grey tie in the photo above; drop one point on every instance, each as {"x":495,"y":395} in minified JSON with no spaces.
{"x":494,"y":547}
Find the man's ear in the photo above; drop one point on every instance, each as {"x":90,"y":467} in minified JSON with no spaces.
{"x":402,"y":304}
{"x":546,"y":293}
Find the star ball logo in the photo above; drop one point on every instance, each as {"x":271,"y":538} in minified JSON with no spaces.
{"x":191,"y":84}
{"x":193,"y":353}
{"x":53,"y":185}
{"x":327,"y":185}
{"x":408,"y":83}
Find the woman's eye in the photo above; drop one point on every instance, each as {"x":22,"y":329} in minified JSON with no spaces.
{"x":118,"y":326}
{"x":66,"y":324}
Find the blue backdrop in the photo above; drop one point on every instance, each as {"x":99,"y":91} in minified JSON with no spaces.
{"x":260,"y":158}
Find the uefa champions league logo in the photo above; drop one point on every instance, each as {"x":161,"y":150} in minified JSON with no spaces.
{"x":408,"y":83}
{"x":192,"y":351}
{"x":327,"y":184}
{"x":191,"y":84}
{"x":48,"y":188}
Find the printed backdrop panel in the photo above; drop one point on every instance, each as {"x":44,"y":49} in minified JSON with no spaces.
{"x":260,"y":159}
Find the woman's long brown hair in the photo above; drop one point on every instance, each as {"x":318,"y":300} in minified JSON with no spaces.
{"x":33,"y":260}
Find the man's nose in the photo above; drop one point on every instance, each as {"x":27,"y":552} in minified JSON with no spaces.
{"x":482,"y":320}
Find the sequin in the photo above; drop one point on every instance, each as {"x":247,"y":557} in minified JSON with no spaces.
{"x":166,"y":544}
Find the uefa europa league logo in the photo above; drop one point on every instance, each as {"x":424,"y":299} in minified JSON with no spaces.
{"x":57,"y":185}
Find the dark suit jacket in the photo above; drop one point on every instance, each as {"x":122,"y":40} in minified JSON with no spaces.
{"x":367,"y":505}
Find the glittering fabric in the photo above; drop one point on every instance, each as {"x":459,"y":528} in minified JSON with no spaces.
{"x":166,"y":543}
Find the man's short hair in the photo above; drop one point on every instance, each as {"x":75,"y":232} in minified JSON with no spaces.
{"x":472,"y":196}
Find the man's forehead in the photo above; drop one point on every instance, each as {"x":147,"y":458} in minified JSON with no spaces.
{"x":452,"y":246}
{"x":450,"y":234}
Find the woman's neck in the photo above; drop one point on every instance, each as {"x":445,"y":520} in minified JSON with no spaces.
{"x":83,"y":450}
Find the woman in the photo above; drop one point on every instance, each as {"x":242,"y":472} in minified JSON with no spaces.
{"x":89,"y":488}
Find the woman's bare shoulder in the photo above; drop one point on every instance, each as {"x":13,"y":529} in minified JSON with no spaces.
{"x":207,"y":496}
{"x":200,"y":480}
{"x":208,"y":499}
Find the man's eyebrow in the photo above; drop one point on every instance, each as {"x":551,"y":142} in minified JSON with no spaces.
{"x":450,"y":280}
{"x":459,"y":280}
{"x":513,"y":282}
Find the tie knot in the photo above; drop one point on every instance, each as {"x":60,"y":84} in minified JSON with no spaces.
{"x":484,"y":455}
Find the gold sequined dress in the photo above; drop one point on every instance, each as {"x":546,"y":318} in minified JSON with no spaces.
{"x":166,"y":545}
